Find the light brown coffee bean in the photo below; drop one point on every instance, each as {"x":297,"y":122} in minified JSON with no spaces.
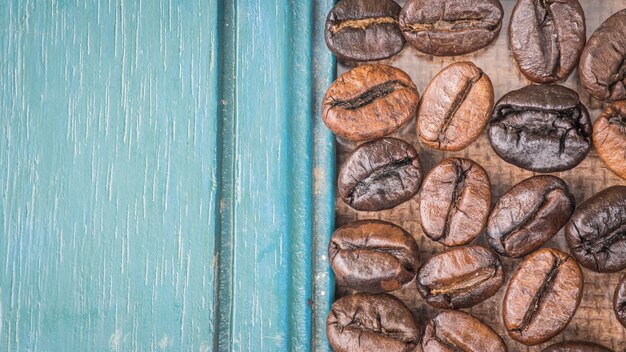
{"x":455,"y":107}
{"x":369,"y":101}
{"x":542,"y":296}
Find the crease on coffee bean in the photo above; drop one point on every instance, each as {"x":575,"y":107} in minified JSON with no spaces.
{"x":457,"y":192}
{"x":526,"y":220}
{"x":603,"y":244}
{"x":370,"y":95}
{"x":615,"y":119}
{"x":455,"y":25}
{"x":581,"y":240}
{"x":450,"y":344}
{"x":391,"y":169}
{"x":619,"y":121}
{"x":490,"y":272}
{"x":548,"y":21}
{"x":572,"y":115}
{"x":399,"y":253}
{"x":545,"y":287}
{"x":356,"y":324}
{"x":456,"y":104}
{"x":621,"y":308}
{"x":362,"y":23}
{"x":619,"y":75}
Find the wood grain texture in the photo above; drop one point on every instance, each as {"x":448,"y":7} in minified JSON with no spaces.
{"x":323,"y":181}
{"x":107,"y":175}
{"x":594,"y":320}
{"x":158,"y":165}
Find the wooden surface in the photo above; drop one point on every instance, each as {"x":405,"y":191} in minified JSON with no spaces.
{"x":594,"y":319}
{"x":163,"y":183}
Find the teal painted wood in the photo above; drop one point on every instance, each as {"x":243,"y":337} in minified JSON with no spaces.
{"x":165,"y":180}
{"x":272,"y":211}
{"x":324,"y":181}
{"x":107,"y":175}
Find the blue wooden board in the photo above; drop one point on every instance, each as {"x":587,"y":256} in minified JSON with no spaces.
{"x":165,"y":180}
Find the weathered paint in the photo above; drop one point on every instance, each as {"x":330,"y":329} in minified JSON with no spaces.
{"x":165,"y":181}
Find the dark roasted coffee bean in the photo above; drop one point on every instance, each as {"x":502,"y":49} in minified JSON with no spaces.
{"x":460,"y":278}
{"x":619,"y":301}
{"x":453,"y":331}
{"x":455,"y":107}
{"x":576,"y":346}
{"x":547,"y":37}
{"x":450,"y":27}
{"x":609,"y":137}
{"x":455,"y":202}
{"x":379,"y":175}
{"x":542,"y":128}
{"x":371,"y":323}
{"x":602,"y":67}
{"x":596,"y":232}
{"x":373,"y":256}
{"x":369,"y":101}
{"x":364,"y":30}
{"x":542,"y":296}
{"x":528,"y":215}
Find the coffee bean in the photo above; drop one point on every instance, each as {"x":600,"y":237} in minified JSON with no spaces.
{"x":373,"y":256}
{"x":369,"y":101}
{"x":455,"y":202}
{"x":542,"y":128}
{"x":619,"y":301}
{"x":453,"y":331}
{"x":364,"y":30}
{"x":366,"y":322}
{"x":547,"y":37}
{"x":596,"y":232}
{"x":609,"y":137}
{"x":379,"y":175}
{"x":455,"y":107}
{"x":602,"y":66}
{"x":528,"y":215}
{"x":576,"y":346}
{"x":460,"y":278}
{"x":542,"y":296}
{"x":450,"y":27}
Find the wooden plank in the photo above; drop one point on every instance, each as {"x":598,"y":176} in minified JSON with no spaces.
{"x":268,"y":214}
{"x":165,"y":180}
{"x":324,"y":181}
{"x":107,"y":175}
{"x":272,"y":205}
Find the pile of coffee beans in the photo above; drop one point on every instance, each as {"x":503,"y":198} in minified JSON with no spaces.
{"x":543,"y":128}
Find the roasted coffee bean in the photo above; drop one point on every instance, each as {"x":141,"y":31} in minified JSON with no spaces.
{"x":450,"y":27}
{"x":576,"y":346}
{"x":453,"y":331}
{"x":602,"y":67}
{"x":379,"y":175}
{"x":619,"y":301}
{"x":528,"y":215}
{"x":542,"y":296}
{"x":455,"y":107}
{"x":370,"y":323}
{"x":455,"y":202}
{"x":596,"y":232}
{"x":373,"y":256}
{"x":542,"y":128}
{"x":369,"y":101}
{"x":460,"y":278}
{"x":547,"y":37}
{"x":364,"y":30}
{"x":609,"y":137}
